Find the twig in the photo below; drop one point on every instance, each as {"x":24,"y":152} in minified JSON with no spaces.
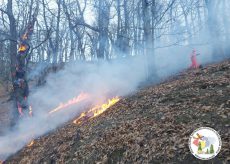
{"x":8,"y":39}
{"x":4,"y":11}
{"x":48,"y":35}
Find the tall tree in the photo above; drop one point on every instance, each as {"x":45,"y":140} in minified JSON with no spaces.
{"x":103,"y":27}
{"x":13,"y":37}
{"x":214,"y":28}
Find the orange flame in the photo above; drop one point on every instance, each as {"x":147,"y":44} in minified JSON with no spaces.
{"x":80,"y":118}
{"x":22,"y":48}
{"x":99,"y":109}
{"x":96,"y":111}
{"x":73,"y":101}
{"x":31,"y":143}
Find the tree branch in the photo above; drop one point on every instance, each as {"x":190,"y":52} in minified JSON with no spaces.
{"x":4,"y":11}
{"x":8,"y":39}
{"x":37,"y":46}
{"x":86,"y":25}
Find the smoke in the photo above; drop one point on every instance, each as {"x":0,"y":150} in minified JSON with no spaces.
{"x":120,"y":77}
{"x":38,"y":70}
{"x":100,"y":79}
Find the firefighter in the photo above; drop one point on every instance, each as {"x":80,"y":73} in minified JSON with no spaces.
{"x":194,"y":60}
{"x":21,"y":91}
{"x":19,"y":100}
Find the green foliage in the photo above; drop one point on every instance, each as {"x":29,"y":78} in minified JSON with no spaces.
{"x":211,"y":149}
{"x":199,"y":147}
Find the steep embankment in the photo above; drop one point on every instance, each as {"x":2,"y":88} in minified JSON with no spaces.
{"x":153,"y":125}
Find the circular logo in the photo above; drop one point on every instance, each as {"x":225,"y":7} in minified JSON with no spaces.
{"x":205,"y":143}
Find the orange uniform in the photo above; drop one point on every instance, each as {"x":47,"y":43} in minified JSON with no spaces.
{"x":194,"y":60}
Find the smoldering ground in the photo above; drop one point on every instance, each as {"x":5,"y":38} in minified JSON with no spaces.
{"x":100,"y":79}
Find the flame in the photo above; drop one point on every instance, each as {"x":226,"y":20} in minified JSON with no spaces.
{"x":31,"y":143}
{"x":96,"y":111}
{"x":22,"y":48}
{"x":80,"y":118}
{"x":73,"y":101}
{"x":25,"y":36}
{"x":99,"y":109}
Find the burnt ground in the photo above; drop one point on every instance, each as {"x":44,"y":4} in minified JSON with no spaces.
{"x":150,"y":126}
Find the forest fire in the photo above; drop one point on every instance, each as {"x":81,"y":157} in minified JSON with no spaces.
{"x":73,"y":101}
{"x":99,"y":109}
{"x":22,"y":48}
{"x":93,"y":112}
{"x":96,"y":111}
{"x":31,"y":143}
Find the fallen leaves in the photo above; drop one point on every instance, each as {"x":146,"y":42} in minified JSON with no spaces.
{"x":153,"y":125}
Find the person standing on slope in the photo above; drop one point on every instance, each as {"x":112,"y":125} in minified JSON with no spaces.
{"x":194,"y":60}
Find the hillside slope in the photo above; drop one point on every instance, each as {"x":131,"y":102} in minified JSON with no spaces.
{"x":151,"y":126}
{"x":5,"y":112}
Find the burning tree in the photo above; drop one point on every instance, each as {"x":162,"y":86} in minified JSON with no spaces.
{"x":20,"y":84}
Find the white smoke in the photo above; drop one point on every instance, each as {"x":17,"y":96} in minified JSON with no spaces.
{"x":100,"y":79}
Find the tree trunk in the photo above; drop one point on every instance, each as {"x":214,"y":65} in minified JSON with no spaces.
{"x":13,"y":38}
{"x":213,"y":25}
{"x":57,"y":35}
{"x":147,"y":39}
{"x":103,"y":22}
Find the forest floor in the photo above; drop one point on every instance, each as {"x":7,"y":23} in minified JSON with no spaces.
{"x":151,"y":126}
{"x":4,"y":109}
